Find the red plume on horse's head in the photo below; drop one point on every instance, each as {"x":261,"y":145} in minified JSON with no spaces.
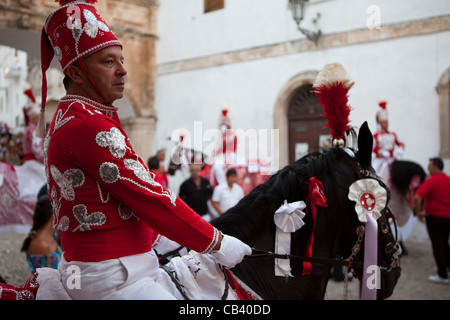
{"x":331,"y":89}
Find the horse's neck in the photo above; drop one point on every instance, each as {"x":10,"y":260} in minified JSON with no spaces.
{"x":259,"y":273}
{"x":261,"y":278}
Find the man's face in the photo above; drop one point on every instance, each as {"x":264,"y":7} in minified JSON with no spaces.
{"x":161,"y":155}
{"x":384,"y":124}
{"x":232,"y":178}
{"x":431,"y":168}
{"x":195,"y":170}
{"x":107,"y":70}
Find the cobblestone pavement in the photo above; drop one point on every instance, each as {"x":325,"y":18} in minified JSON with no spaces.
{"x":413,"y":283}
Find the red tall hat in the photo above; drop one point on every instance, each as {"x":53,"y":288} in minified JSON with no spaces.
{"x":32,"y":109}
{"x":72,"y":33}
{"x":29,"y":94}
{"x":382,"y":113}
{"x":225,"y":123}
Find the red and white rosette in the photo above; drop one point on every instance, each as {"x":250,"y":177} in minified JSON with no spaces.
{"x":370,"y":198}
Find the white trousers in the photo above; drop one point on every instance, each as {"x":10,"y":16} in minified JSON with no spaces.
{"x":134,"y":277}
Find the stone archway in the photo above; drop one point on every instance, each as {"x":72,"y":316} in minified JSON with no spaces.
{"x":443,"y":90}
{"x":281,"y":111}
{"x":133,"y":22}
{"x":307,"y":131}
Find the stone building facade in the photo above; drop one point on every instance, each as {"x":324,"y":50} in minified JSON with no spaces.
{"x":135,"y":24}
{"x":250,"y":56}
{"x":187,"y":61}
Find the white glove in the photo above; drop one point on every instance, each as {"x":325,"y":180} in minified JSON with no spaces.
{"x":231,"y":251}
{"x":385,"y":154}
{"x":399,"y":152}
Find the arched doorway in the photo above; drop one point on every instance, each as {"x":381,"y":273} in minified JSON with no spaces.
{"x":306,"y":124}
{"x":280,"y":116}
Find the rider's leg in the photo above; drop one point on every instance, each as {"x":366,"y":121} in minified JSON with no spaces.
{"x":130,"y":277}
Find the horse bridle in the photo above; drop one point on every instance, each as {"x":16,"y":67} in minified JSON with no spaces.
{"x":348,"y":263}
{"x":393,"y":249}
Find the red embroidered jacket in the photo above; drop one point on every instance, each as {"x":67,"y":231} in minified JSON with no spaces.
{"x":105,"y":200}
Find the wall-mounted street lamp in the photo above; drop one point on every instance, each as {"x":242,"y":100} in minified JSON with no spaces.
{"x":298,"y":11}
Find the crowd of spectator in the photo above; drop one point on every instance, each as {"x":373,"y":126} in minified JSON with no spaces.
{"x":11,"y":146}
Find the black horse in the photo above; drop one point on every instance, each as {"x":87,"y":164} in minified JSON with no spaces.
{"x":337,"y":228}
{"x":403,"y":180}
{"x":251,"y":220}
{"x":402,"y":172}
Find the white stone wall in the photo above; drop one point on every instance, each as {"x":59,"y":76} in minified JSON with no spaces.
{"x":405,"y":70}
{"x":186,"y":32}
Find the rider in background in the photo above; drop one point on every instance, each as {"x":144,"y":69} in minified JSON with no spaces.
{"x":386,"y":147}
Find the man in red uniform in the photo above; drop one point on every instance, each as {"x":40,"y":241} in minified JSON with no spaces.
{"x":106,"y":203}
{"x":435,"y":191}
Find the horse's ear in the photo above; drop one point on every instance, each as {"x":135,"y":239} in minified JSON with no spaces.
{"x":365,"y":144}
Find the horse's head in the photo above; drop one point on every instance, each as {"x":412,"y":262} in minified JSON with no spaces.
{"x":333,"y":231}
{"x":388,"y":247}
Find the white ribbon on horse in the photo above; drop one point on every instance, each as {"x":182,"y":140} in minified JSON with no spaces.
{"x":370,"y":198}
{"x":288,"y":219}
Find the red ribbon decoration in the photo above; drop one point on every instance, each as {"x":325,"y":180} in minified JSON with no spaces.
{"x":315,"y":197}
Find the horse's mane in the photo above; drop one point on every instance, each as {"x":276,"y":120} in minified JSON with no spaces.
{"x":288,"y":184}
{"x":402,"y":172}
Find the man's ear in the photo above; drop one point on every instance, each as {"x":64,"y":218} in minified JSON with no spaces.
{"x":75,"y":73}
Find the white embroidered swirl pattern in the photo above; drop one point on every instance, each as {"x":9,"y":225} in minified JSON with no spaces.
{"x":86,"y":221}
{"x":67,"y":181}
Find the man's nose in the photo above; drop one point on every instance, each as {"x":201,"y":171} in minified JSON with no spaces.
{"x":122,"y":71}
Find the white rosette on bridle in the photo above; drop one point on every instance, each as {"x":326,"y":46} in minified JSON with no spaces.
{"x":370,"y":198}
{"x":288,"y":219}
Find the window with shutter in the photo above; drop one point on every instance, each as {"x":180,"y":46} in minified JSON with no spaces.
{"x":212,"y":5}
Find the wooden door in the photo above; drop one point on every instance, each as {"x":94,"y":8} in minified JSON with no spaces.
{"x":306,"y":124}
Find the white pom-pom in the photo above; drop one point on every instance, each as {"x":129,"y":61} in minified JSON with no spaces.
{"x":332,"y":72}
